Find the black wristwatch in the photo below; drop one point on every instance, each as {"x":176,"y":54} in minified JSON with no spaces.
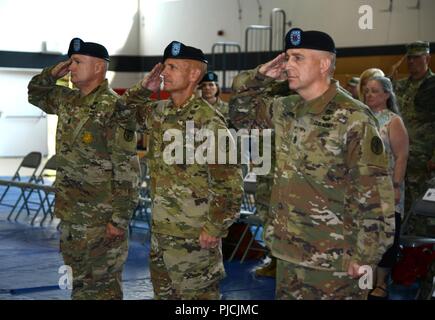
{"x":396,"y":185}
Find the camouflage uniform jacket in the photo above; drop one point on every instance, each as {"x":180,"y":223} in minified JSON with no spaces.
{"x":186,"y":197}
{"x":405,"y":90}
{"x":222,"y":108}
{"x":416,"y":122}
{"x":332,"y":198}
{"x":98,"y":167}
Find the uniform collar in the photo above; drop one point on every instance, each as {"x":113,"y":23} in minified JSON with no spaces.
{"x":180,"y":110}
{"x":217,"y":103}
{"x":318,"y":105}
{"x":186,"y":103}
{"x":90,"y":98}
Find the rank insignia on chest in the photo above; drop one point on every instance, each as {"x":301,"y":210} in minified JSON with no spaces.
{"x":87,"y":137}
{"x":128,"y":135}
{"x":377,"y":146}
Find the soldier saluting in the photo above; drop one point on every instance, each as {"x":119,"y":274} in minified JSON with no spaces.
{"x":194,"y":203}
{"x":98,"y":168}
{"x":332,"y":201}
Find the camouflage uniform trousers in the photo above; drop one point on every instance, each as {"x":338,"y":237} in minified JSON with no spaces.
{"x":96,"y":261}
{"x":180,"y":269}
{"x":295,"y":282}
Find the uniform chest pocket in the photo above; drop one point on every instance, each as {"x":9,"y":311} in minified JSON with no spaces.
{"x":321,"y":153}
{"x":322,"y":139}
{"x":90,"y":136}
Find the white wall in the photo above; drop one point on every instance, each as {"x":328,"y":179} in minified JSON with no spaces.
{"x":132,"y":27}
{"x":113,"y":23}
{"x":145,"y":27}
{"x":23,"y":127}
{"x":196,"y":22}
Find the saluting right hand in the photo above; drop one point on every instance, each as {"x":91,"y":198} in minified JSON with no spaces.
{"x":394,"y":69}
{"x":275,"y":68}
{"x":152,"y":80}
{"x":61,"y":69}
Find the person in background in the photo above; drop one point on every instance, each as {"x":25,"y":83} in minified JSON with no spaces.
{"x":379,"y":96}
{"x":210,"y":92}
{"x":364,"y":77}
{"x":417,"y":119}
{"x":352,"y":86}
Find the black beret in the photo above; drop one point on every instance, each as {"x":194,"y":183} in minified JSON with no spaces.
{"x":78,"y":46}
{"x":210,"y":76}
{"x":316,"y":40}
{"x":177,"y":50}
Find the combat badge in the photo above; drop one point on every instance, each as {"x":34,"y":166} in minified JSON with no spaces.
{"x":87,"y":137}
{"x":128,"y":135}
{"x":377,"y":146}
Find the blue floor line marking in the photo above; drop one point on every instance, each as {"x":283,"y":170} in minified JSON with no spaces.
{"x":19,"y":291}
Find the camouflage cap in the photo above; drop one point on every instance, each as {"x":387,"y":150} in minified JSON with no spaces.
{"x":78,"y":46}
{"x":178,"y":50}
{"x":417,"y":48}
{"x":353,"y":81}
{"x":210,"y":76}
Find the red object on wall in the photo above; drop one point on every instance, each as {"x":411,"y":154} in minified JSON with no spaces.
{"x":162,"y":95}
{"x":120,"y":91}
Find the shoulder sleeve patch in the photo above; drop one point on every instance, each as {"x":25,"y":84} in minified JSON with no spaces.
{"x":376,"y":145}
{"x":128,"y":135}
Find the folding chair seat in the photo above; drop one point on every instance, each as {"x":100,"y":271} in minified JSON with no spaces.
{"x":30,"y":162}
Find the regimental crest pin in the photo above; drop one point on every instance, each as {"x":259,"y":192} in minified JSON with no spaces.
{"x":76,"y":45}
{"x":176,"y":47}
{"x":295,"y":37}
{"x":87,"y":137}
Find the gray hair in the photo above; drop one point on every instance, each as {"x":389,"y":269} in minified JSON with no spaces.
{"x":333,"y":58}
{"x":387,"y":87}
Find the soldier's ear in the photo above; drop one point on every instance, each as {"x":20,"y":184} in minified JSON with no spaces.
{"x":325,"y":64}
{"x":195,"y":75}
{"x":100,"y":67}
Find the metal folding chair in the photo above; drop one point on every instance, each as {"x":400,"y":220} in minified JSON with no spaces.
{"x":142,"y":212}
{"x":30,"y":161}
{"x":423,"y":208}
{"x":51,"y":165}
{"x":249,"y":217}
{"x":44,"y":203}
